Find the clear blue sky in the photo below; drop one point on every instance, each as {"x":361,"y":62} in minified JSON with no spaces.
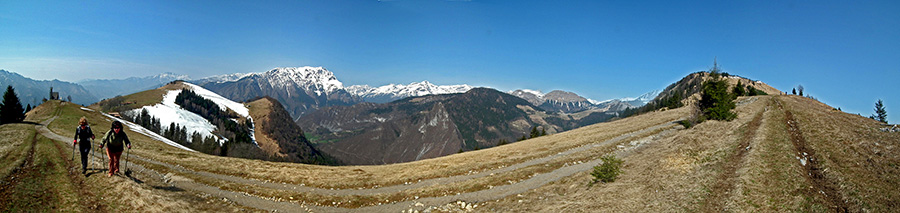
{"x":845,"y":54}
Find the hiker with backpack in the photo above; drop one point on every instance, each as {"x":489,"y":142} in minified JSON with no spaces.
{"x":115,"y":141}
{"x":84,"y":133}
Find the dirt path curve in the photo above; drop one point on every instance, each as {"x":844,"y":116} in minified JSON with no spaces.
{"x":272,"y":205}
{"x":814,"y":173}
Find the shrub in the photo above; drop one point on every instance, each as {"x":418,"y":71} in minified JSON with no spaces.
{"x":686,"y":123}
{"x":608,"y":170}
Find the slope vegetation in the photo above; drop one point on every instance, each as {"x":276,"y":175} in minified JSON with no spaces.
{"x":781,"y":153}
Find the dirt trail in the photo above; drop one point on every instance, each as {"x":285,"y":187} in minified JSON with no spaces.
{"x":268,"y":204}
{"x":721,"y":191}
{"x":814,"y":173}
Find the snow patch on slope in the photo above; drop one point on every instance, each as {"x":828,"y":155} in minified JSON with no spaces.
{"x":169,"y":112}
{"x":219,"y":100}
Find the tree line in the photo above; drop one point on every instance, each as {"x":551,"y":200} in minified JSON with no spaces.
{"x":224,"y":121}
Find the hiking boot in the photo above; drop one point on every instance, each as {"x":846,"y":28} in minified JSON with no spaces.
{"x":83,"y":171}
{"x":109,"y":175}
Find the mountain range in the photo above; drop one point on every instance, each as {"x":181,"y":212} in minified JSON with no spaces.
{"x":300,"y":89}
{"x":108,"y":88}
{"x":32,"y":91}
{"x":392,"y":92}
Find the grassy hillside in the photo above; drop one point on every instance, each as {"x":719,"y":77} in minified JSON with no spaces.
{"x":280,"y":137}
{"x":782,"y":153}
{"x":39,"y":175}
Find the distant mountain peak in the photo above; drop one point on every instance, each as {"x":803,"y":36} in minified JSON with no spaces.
{"x":393,"y":92}
{"x":316,"y":79}
{"x":170,"y":75}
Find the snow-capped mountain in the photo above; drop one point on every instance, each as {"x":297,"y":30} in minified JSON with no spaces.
{"x":563,"y":101}
{"x":221,"y":78}
{"x":107,"y":88}
{"x":534,"y":97}
{"x":314,"y":79}
{"x":643,"y":99}
{"x":299,"y":89}
{"x":392,"y":92}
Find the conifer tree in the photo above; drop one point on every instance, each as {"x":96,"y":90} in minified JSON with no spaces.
{"x":11,"y":111}
{"x":794,"y":91}
{"x":534,"y":132}
{"x":880,"y":113}
{"x":715,"y":100}
{"x":739,"y":90}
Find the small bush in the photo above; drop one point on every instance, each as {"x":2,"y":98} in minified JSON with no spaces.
{"x":608,"y":170}
{"x":686,"y":123}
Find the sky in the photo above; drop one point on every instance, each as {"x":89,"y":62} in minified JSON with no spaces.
{"x":844,"y":53}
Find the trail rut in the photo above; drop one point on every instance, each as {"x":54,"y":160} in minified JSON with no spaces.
{"x":814,"y":172}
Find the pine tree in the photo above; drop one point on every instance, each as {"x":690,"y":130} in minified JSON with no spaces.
{"x":880,"y":113}
{"x":794,"y":91}
{"x":11,"y":111}
{"x":739,"y":90}
{"x":800,"y":89}
{"x":28,"y":109}
{"x":534,"y":132}
{"x":715,"y":100}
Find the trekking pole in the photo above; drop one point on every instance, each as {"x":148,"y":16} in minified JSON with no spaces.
{"x":104,"y":159}
{"x":73,"y":152}
{"x":91,"y":158}
{"x":126,"y":161}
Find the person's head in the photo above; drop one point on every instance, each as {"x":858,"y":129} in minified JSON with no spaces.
{"x":116,"y":126}
{"x":82,"y":121}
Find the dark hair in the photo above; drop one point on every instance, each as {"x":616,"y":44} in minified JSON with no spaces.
{"x":116,"y":124}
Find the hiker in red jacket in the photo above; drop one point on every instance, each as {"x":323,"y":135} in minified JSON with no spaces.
{"x":84,"y":133}
{"x":116,"y":139}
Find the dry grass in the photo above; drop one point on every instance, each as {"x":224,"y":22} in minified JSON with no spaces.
{"x":259,"y":111}
{"x":673,"y":173}
{"x":862,"y":161}
{"x":53,"y":182}
{"x":13,"y":149}
{"x":359,"y":176}
{"x":367,"y":176}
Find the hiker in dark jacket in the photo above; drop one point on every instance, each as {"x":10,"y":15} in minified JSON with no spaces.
{"x":84,"y":133}
{"x":115,"y":141}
